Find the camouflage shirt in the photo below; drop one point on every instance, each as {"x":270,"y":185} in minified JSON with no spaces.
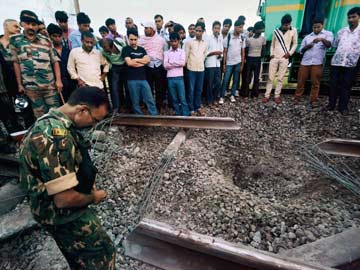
{"x":35,"y":59}
{"x":49,"y":160}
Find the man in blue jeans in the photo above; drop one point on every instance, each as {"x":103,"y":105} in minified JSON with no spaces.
{"x":174,"y":62}
{"x":234,"y":56}
{"x":213,"y":65}
{"x":136,"y":58}
{"x":196,"y":52}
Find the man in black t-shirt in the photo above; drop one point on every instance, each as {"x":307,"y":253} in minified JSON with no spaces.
{"x":136,"y":58}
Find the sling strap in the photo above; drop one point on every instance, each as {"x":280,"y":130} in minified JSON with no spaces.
{"x":280,"y":38}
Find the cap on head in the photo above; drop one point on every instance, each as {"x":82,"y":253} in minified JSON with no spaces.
{"x":149,"y":24}
{"x":29,"y":17}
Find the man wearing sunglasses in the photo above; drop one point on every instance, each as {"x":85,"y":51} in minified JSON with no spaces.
{"x":58,"y":176}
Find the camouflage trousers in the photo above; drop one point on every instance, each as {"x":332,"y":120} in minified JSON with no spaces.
{"x":42,"y":100}
{"x":84,"y":243}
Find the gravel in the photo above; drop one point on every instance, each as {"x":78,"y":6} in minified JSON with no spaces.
{"x":249,"y":186}
{"x":252,"y":186}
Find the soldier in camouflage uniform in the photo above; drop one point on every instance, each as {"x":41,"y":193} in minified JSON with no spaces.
{"x":35,"y":62}
{"x":52,"y":174}
{"x":12,"y":27}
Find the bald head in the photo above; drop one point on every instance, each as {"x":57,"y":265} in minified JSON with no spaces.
{"x":11,"y":27}
{"x":129,"y":23}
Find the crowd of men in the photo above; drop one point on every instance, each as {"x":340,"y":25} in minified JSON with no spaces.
{"x":165,"y":67}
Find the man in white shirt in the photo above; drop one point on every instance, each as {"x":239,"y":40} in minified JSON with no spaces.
{"x":345,"y":62}
{"x":213,"y":65}
{"x":84,"y":63}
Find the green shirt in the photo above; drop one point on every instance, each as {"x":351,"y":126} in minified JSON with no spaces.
{"x":113,"y":58}
{"x":35,"y":59}
{"x":49,"y":160}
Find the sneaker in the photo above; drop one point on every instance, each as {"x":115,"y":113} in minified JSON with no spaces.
{"x":265,"y":100}
{"x":221,"y":101}
{"x":232,"y":99}
{"x":236,"y":93}
{"x":277,"y":100}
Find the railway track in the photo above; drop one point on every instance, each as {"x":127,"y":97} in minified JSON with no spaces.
{"x":168,"y":247}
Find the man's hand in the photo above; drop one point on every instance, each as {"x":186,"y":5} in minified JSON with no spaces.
{"x":102,"y":77}
{"x":99,"y":195}
{"x":316,"y":40}
{"x":59,"y":85}
{"x":241,"y":67}
{"x":21,"y":88}
{"x":287,"y":56}
{"x":80,"y":83}
{"x":224,"y":69}
{"x":272,"y":56}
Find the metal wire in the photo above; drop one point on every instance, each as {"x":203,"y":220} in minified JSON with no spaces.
{"x":336,"y":169}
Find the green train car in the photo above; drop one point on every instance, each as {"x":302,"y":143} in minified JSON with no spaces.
{"x":303,"y":11}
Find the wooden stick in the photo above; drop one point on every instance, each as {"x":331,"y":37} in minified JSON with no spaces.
{"x":62,"y":98}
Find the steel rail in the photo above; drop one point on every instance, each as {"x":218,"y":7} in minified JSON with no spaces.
{"x":168,"y":248}
{"x":176,"y":121}
{"x":341,"y":147}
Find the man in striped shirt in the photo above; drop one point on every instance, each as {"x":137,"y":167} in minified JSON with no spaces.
{"x":283,"y":46}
